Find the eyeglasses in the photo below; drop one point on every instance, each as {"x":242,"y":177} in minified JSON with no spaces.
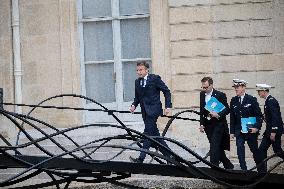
{"x":205,"y":87}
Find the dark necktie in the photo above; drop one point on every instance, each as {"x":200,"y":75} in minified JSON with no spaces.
{"x":240,"y":100}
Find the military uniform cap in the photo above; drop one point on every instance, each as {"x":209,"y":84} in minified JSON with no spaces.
{"x":239,"y":82}
{"x":262,"y":87}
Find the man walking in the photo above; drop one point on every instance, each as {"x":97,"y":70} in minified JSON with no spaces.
{"x":245,"y":107}
{"x":274,"y":123}
{"x":214,"y":123}
{"x":147,"y":94}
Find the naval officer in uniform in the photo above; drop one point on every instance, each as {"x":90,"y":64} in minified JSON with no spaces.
{"x":244,"y":106}
{"x":274,"y":122}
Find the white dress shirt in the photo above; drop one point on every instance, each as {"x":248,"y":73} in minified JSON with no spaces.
{"x":208,"y":96}
{"x":145,"y":80}
{"x":242,"y":98}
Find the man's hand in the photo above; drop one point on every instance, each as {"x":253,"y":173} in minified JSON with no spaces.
{"x":214,"y":114}
{"x":232,"y":136}
{"x":132,"y":108}
{"x":253,"y":130}
{"x":201,"y":128}
{"x":272,"y":137}
{"x":167,"y":111}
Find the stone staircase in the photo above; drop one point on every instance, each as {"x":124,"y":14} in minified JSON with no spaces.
{"x":84,"y":136}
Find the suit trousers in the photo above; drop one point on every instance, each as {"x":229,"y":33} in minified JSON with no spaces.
{"x":276,"y":145}
{"x":215,"y":134}
{"x":151,"y":129}
{"x":252,"y":143}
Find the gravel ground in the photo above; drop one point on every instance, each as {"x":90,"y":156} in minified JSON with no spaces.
{"x":153,"y":182}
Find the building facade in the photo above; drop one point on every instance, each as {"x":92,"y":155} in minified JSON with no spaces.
{"x":90,"y":48}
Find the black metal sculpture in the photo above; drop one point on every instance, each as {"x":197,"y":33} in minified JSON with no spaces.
{"x":80,"y":163}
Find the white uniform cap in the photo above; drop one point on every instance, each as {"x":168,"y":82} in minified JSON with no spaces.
{"x":238,"y":82}
{"x":262,"y":87}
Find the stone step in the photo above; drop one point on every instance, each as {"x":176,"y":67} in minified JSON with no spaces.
{"x":80,"y":136}
{"x":88,"y":135}
{"x":110,"y":152}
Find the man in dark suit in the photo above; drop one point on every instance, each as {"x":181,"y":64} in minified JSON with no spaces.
{"x":244,"y":106}
{"x":147,"y":94}
{"x":274,"y":123}
{"x":215,"y":124}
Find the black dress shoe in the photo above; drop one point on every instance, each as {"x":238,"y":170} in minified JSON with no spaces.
{"x":229,"y":166}
{"x":135,"y":160}
{"x":169,"y":163}
{"x":173,"y":158}
{"x":262,"y":169}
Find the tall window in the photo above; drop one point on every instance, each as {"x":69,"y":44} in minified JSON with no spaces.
{"x":116,"y":34}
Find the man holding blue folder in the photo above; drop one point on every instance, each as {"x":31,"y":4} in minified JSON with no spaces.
{"x":245,"y":123}
{"x":213,"y":111}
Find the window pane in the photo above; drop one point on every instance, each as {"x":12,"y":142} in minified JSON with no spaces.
{"x":98,"y":41}
{"x":129,"y":76}
{"x":135,"y":38}
{"x":100,"y":83}
{"x":130,"y":7}
{"x":96,"y":8}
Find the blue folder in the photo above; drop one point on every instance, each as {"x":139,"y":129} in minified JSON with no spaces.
{"x":247,"y":123}
{"x":214,"y":105}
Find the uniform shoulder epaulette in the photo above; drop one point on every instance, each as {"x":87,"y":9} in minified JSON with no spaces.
{"x":252,"y":97}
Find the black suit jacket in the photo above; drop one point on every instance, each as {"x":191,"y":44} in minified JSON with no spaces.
{"x":221,"y":97}
{"x":248,"y":108}
{"x":214,"y":123}
{"x":149,"y":96}
{"x":272,"y":115}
